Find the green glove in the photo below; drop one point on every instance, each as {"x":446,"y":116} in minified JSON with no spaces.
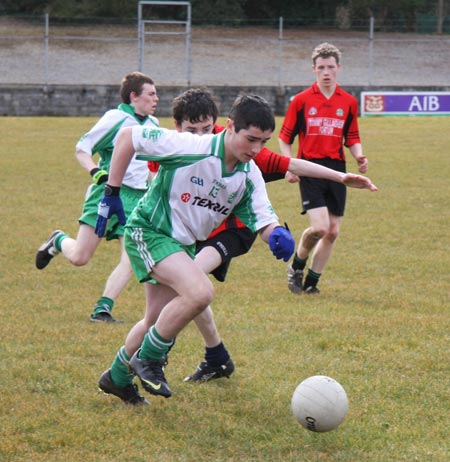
{"x":99,"y":176}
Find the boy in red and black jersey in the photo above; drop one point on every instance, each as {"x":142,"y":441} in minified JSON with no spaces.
{"x":324,"y":117}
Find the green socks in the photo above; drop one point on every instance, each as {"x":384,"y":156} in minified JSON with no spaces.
{"x":58,"y":241}
{"x":120,"y":371}
{"x":154,"y":346}
{"x":103,"y":304}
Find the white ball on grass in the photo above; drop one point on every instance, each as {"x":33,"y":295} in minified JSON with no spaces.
{"x":319,"y":403}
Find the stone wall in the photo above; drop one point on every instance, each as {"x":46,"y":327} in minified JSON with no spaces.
{"x":94,"y":100}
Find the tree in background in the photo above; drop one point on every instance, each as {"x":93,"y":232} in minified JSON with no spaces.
{"x":388,"y":14}
{"x":72,"y":8}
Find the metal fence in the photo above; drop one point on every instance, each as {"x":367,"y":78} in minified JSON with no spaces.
{"x":44,"y":53}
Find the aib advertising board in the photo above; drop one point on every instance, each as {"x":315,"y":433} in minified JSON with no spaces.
{"x":405,"y":103}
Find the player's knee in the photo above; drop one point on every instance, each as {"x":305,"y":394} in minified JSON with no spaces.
{"x":318,"y":233}
{"x":333,"y":235}
{"x":202,"y":296}
{"x":80,"y":258}
{"x":205,"y":297}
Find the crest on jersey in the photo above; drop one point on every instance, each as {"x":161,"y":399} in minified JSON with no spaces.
{"x":185,"y":197}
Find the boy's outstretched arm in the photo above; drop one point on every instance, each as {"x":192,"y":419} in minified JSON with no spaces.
{"x":301,"y":167}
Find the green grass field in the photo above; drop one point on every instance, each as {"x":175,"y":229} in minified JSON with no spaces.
{"x":381,"y":325}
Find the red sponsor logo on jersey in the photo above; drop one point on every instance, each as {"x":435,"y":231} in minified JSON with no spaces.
{"x":185,"y":197}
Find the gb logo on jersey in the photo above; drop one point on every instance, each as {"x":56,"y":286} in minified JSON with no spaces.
{"x":186,"y":197}
{"x":197,"y":180}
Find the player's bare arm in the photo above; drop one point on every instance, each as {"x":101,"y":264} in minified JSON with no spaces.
{"x":358,"y":181}
{"x":362,"y":161}
{"x":301,"y":167}
{"x":85,"y":160}
{"x":98,"y":175}
{"x":122,"y":155}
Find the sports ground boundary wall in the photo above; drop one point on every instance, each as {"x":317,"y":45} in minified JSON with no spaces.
{"x":94,"y":100}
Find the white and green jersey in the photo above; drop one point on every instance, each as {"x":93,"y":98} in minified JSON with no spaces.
{"x":192,"y":193}
{"x":102,"y":137}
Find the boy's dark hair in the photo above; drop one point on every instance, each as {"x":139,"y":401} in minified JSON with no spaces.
{"x":133,"y":82}
{"x":194,"y":105}
{"x":252,"y":110}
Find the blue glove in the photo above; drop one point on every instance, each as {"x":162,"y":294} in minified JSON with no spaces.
{"x":282,"y":243}
{"x":110,"y":204}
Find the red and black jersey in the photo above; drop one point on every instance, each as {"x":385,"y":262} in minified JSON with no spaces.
{"x":270,"y":163}
{"x":321,"y":124}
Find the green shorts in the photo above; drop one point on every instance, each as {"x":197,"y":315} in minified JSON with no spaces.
{"x":130,"y":197}
{"x":146,"y":247}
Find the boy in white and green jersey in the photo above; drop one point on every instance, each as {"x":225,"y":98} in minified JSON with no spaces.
{"x":140,"y":99}
{"x":201,"y":180}
{"x":192,"y":194}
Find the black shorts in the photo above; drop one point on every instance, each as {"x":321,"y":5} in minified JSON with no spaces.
{"x":229,"y":243}
{"x":317,"y":192}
